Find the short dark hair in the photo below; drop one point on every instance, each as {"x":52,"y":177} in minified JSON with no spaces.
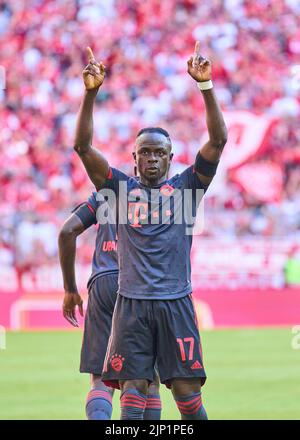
{"x":154,"y":130}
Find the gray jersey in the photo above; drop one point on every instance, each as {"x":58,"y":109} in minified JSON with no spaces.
{"x":154,"y":257}
{"x":105,"y":258}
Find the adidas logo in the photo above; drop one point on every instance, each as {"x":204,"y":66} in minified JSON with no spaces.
{"x":196,"y":366}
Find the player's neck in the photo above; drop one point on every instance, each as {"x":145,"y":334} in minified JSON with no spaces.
{"x":152,"y":182}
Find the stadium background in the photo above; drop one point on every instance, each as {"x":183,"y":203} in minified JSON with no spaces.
{"x":246,"y":262}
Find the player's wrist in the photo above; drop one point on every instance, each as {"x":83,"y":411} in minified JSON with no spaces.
{"x":205,"y":85}
{"x":92,"y":92}
{"x":71,"y":292}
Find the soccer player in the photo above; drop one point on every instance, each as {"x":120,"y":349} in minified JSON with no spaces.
{"x":102,"y":286}
{"x":154,"y":317}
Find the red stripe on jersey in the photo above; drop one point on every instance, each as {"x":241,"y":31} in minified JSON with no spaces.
{"x":110,"y":174}
{"x":90,"y":208}
{"x":109,"y":177}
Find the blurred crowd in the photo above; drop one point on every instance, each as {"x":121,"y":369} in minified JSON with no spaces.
{"x":254,"y":47}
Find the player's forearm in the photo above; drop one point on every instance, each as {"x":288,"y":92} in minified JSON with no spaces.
{"x":95,"y":164}
{"x":67,"y":254}
{"x":84,"y":126}
{"x":214,"y":120}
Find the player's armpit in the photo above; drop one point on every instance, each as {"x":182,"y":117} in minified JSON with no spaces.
{"x":204,"y":179}
{"x":95,"y":164}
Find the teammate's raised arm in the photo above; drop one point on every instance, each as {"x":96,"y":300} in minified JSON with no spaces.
{"x":209,"y":154}
{"x":95,"y":164}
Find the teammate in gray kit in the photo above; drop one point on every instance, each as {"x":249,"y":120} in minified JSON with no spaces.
{"x":102,"y":287}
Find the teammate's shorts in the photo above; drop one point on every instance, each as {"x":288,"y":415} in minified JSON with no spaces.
{"x":144,"y":331}
{"x":97,"y":325}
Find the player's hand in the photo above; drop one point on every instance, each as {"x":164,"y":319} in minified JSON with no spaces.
{"x":71,"y":300}
{"x":94,"y":73}
{"x":199,"y":67}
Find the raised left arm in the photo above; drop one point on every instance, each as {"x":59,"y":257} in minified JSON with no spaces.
{"x":209,"y":154}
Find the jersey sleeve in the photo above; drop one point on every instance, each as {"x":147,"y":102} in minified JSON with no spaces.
{"x":87,"y":211}
{"x":191,"y":180}
{"x":113,"y":180}
{"x":110,"y":191}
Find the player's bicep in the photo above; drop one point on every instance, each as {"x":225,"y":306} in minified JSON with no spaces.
{"x":204,"y":179}
{"x":95,"y":164}
{"x":210,"y":152}
{"x":206,"y":162}
{"x":87,"y":214}
{"x":73,"y":225}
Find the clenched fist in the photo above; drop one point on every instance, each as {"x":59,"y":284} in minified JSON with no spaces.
{"x":94,"y":73}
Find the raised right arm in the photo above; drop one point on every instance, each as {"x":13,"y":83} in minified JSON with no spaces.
{"x":95,"y":164}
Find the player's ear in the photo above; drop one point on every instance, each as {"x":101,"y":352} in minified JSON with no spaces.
{"x":134,"y":156}
{"x":171,"y":156}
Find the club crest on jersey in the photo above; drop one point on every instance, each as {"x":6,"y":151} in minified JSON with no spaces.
{"x":116,"y":362}
{"x":167,"y":190}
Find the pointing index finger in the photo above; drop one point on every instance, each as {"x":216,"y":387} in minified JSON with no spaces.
{"x":90,"y":54}
{"x":197,"y":49}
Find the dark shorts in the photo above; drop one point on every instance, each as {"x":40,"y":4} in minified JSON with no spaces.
{"x":97,"y":325}
{"x":145,"y":331}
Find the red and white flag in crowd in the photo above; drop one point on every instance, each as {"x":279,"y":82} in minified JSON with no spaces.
{"x":247,"y":133}
{"x":262,"y":180}
{"x":247,"y":138}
